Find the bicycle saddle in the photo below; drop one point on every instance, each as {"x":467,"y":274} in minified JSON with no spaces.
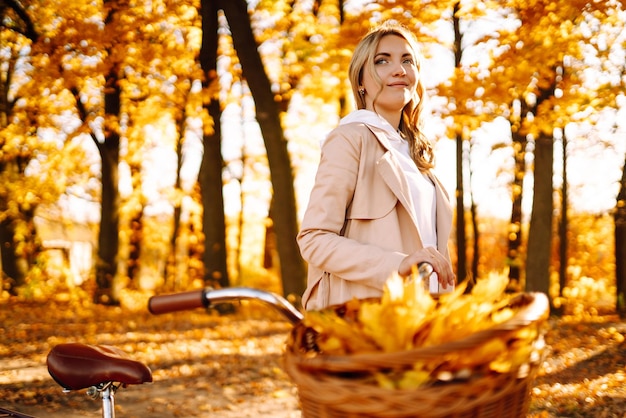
{"x":77,"y":366}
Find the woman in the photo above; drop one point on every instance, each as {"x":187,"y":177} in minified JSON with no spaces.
{"x":376,"y":208}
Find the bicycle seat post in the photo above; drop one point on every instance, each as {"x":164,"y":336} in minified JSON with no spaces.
{"x":108,"y":402}
{"x":106,"y":392}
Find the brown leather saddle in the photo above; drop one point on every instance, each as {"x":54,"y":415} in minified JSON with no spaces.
{"x":77,"y":366}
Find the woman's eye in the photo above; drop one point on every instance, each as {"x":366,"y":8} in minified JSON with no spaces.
{"x":408,"y":61}
{"x":380,"y":61}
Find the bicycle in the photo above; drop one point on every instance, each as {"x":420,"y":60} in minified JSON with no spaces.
{"x":103,"y":369}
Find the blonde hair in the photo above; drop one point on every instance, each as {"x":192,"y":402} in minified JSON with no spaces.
{"x":411,"y":122}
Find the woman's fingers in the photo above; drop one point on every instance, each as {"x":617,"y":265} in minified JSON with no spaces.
{"x":430,"y":255}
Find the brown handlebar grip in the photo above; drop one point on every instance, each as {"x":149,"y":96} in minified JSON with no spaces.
{"x":183,"y":301}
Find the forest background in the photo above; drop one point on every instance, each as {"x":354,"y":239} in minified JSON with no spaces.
{"x":153,"y":146}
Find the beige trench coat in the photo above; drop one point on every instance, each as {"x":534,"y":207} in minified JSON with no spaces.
{"x":359,"y":224}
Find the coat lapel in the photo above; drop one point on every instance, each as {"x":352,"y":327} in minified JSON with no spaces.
{"x":391,"y":172}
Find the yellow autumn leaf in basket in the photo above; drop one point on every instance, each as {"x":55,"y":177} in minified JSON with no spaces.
{"x":523,"y":348}
{"x":403,"y":311}
{"x":484,"y":353}
{"x":460,"y":314}
{"x":490,"y":288}
{"x":413,"y":378}
{"x":338,"y":335}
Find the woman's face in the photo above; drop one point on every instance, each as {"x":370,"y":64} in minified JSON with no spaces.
{"x":396,"y":68}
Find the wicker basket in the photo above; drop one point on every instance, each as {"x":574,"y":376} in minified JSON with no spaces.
{"x":342,"y":386}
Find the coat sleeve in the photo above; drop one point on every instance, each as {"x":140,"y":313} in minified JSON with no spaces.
{"x":321,"y":242}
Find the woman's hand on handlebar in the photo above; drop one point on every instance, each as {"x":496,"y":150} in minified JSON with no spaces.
{"x":429,"y":255}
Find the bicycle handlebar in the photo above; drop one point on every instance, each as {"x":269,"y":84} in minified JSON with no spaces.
{"x":177,"y":302}
{"x":193,"y":299}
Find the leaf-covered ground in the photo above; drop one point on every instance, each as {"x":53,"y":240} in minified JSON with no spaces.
{"x":205,"y":365}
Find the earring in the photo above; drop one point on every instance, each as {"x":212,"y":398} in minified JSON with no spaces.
{"x":361,"y":91}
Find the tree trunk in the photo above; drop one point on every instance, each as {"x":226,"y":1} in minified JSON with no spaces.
{"x":269,"y":245}
{"x":10,"y":262}
{"x":540,"y":232}
{"x":210,"y":176}
{"x":476,"y":242}
{"x":16,"y":263}
{"x":515,"y":225}
{"x":242,"y":198}
{"x":108,"y":235}
{"x":461,"y":243}
{"x":620,"y":246}
{"x":171,"y":270}
{"x":563,"y":226}
{"x":461,"y":231}
{"x":213,"y":218}
{"x":173,"y":280}
{"x":292,"y":266}
{"x":135,"y":244}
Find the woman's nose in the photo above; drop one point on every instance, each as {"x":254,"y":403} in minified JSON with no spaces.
{"x":399,"y":70}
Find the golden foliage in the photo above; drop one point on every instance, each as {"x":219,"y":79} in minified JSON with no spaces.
{"x":536,"y":60}
{"x":152,"y":49}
